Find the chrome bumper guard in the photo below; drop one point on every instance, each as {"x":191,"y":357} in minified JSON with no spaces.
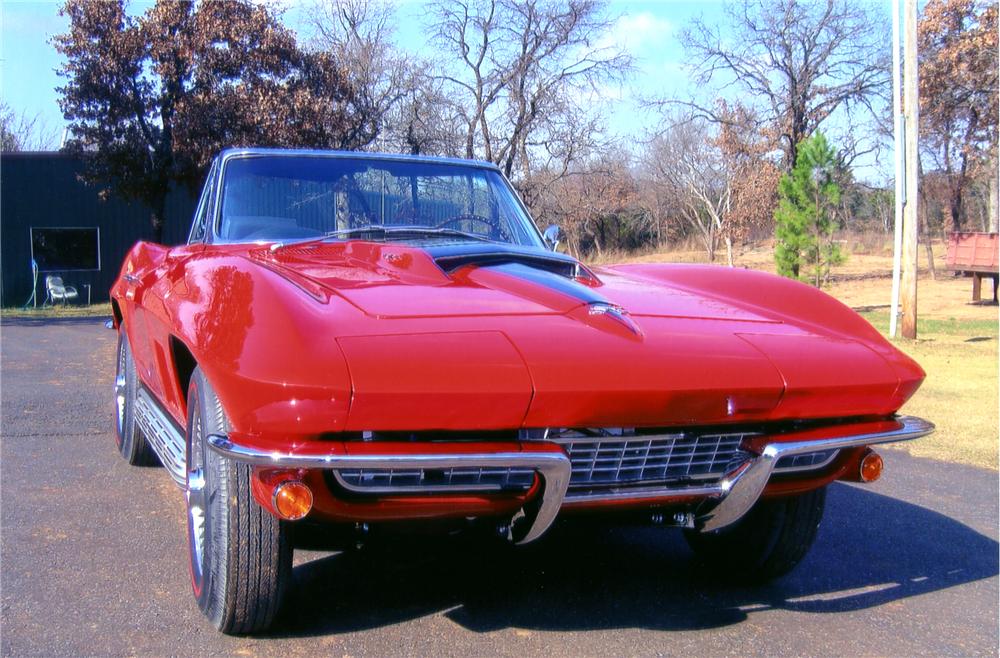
{"x":726,"y":501}
{"x":742,"y":487}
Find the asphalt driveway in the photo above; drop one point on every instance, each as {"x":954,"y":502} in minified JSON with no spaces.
{"x":93,"y":559}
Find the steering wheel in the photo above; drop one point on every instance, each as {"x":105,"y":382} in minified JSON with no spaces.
{"x":495,"y":227}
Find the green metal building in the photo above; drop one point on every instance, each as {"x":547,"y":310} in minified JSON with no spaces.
{"x":49,"y":215}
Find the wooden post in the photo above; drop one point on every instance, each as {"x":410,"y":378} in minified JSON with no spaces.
{"x":911,"y":108}
{"x":898,"y":178}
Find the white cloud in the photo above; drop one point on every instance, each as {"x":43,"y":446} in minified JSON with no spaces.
{"x":634,"y":32}
{"x":602,"y":94}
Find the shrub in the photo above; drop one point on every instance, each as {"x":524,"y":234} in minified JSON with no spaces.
{"x":804,"y":246}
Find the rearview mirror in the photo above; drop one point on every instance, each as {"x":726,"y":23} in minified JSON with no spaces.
{"x":551,"y":236}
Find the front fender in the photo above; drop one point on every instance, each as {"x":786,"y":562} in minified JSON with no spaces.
{"x":790,"y":302}
{"x":268,"y":348}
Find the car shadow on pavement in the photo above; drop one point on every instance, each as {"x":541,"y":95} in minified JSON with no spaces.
{"x":871,"y":550}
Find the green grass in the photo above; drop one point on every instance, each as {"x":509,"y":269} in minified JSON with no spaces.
{"x":960,"y":393}
{"x":92,"y":311}
{"x":930,"y":328}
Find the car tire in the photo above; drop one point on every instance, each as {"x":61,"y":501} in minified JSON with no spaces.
{"x":767,"y":543}
{"x":131,"y":443}
{"x":239,"y":554}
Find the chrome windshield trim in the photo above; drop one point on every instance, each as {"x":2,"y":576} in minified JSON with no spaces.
{"x":228,"y":154}
{"x":236,"y":152}
{"x":552,"y":465}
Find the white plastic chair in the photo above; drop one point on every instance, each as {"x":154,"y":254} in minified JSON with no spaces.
{"x":55,"y":291}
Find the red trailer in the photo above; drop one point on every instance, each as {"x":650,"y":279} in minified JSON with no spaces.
{"x":976,"y":255}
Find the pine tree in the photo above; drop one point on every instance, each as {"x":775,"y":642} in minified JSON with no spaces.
{"x":803,"y":221}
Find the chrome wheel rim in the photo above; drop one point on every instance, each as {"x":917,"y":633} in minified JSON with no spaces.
{"x":120,"y":391}
{"x":196,"y":502}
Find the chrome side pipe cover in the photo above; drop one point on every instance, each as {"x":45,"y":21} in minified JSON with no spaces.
{"x":167,"y":441}
{"x":726,"y":501}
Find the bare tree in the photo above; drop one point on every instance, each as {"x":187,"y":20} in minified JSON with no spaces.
{"x":358,"y":35}
{"x":663,"y":205}
{"x":598,"y":204}
{"x":958,"y":99}
{"x":753,"y":176}
{"x":523,"y":67}
{"x":21,"y":132}
{"x":567,"y":143}
{"x":423,"y":121}
{"x":682,"y":160}
{"x":804,"y":61}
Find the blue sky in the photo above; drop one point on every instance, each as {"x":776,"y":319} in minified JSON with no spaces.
{"x":648,"y":30}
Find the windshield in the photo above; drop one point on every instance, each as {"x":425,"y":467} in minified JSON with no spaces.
{"x":294,"y":197}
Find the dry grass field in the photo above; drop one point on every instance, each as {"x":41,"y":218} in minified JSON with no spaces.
{"x":956,"y":344}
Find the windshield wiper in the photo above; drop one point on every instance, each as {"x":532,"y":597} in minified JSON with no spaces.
{"x":378,"y":231}
{"x":344,"y":232}
{"x":430,"y":230}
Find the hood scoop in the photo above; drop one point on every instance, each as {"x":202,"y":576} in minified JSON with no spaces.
{"x":454,"y":257}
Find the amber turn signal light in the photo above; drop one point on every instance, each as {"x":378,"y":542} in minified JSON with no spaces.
{"x":871,"y":467}
{"x":292,"y":500}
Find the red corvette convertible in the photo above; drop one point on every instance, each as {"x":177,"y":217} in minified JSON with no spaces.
{"x":353,"y":339}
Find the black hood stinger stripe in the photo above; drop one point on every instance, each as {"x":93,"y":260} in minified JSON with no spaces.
{"x":549,"y":279}
{"x":598,"y":306}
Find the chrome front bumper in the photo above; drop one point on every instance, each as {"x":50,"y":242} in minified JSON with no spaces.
{"x":724,"y":502}
{"x":551,"y":464}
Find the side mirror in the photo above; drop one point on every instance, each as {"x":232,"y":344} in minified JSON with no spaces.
{"x":551,"y":236}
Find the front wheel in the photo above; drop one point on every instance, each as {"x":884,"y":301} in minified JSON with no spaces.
{"x":767,"y":543}
{"x":240,"y":555}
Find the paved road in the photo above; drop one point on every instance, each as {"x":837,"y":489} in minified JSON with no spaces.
{"x":93,"y":559}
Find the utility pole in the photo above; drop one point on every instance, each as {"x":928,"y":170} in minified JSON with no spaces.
{"x":911,"y":107}
{"x":900,"y":176}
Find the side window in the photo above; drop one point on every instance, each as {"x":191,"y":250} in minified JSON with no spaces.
{"x":204,"y":212}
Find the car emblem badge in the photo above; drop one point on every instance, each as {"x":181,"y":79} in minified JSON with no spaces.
{"x":616,"y":312}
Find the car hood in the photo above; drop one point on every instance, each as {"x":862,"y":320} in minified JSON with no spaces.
{"x":395,"y":281}
{"x":481,"y":336}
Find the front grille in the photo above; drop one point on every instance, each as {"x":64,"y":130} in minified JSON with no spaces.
{"x":629,"y":460}
{"x":489,"y":478}
{"x":597,"y":462}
